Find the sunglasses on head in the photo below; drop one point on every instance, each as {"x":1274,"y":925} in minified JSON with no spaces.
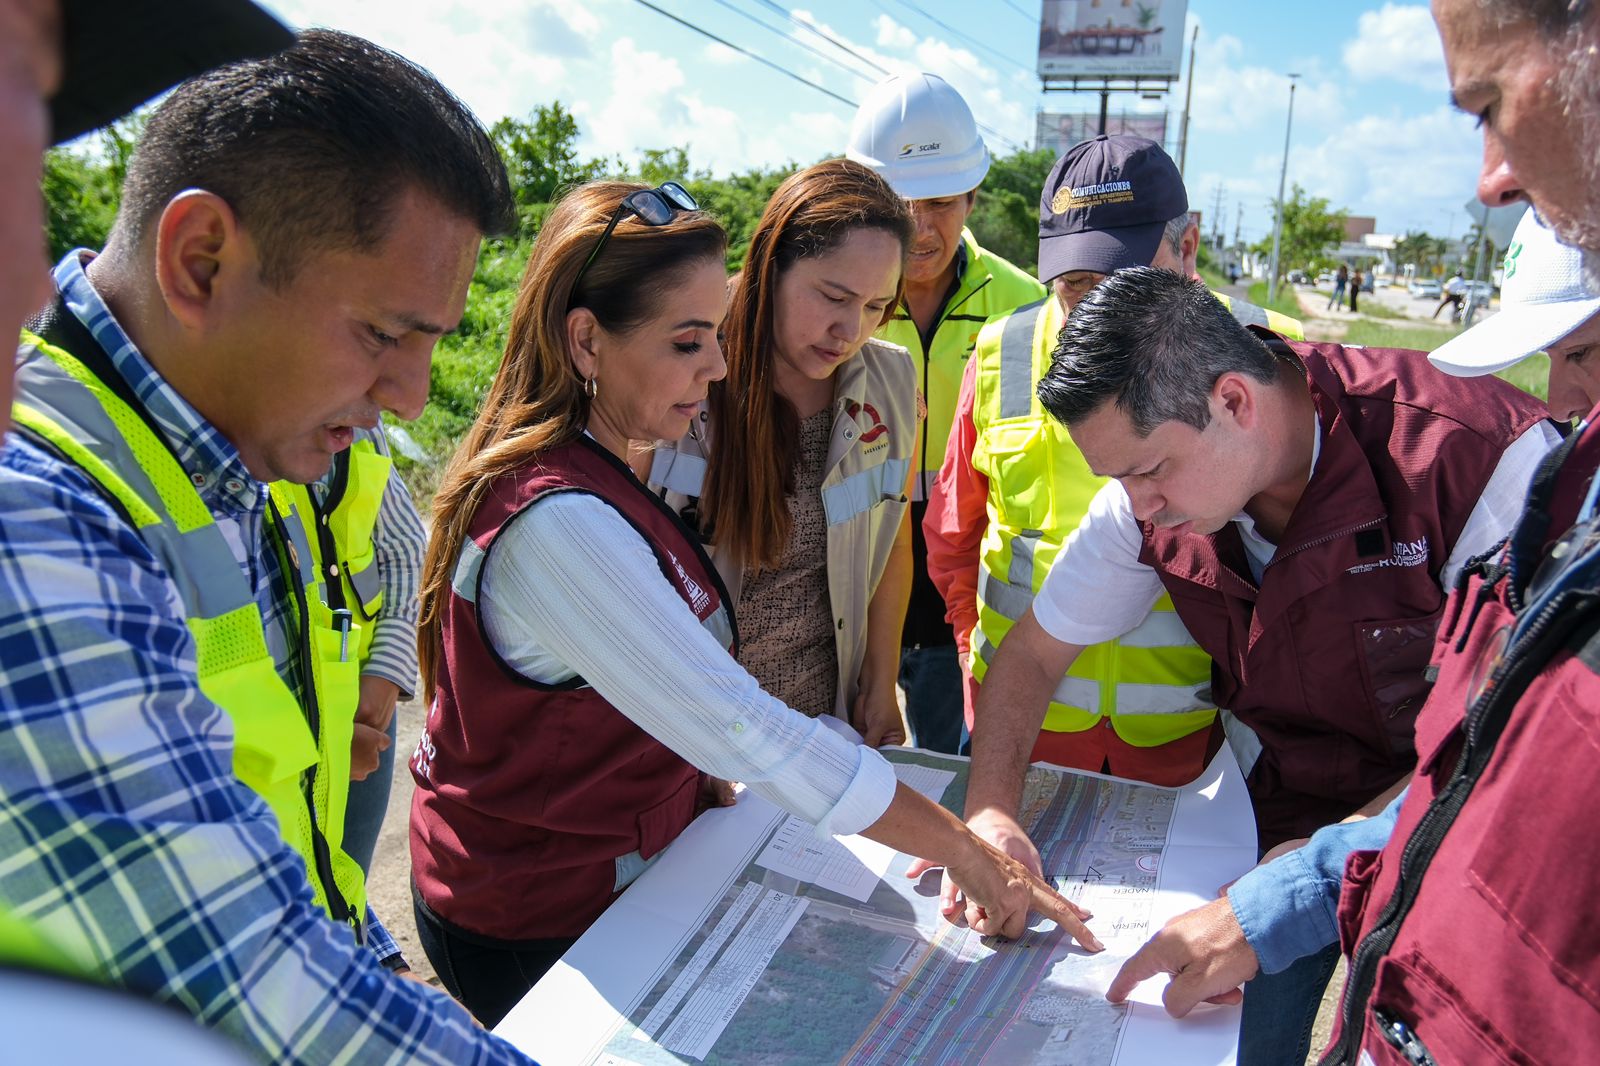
{"x":653,"y":207}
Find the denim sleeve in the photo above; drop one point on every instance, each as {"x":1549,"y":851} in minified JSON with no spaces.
{"x":1289,"y":906}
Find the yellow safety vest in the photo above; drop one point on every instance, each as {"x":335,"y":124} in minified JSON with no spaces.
{"x":1153,"y":683}
{"x":339,"y":529}
{"x":296,"y":759}
{"x":988,"y":286}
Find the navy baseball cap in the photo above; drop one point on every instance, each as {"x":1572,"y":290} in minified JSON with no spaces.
{"x":1106,"y":204}
{"x":116,"y":54}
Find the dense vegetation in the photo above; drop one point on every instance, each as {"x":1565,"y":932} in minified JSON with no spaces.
{"x":81,"y":187}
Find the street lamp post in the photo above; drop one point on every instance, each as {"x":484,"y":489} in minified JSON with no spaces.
{"x":1277,"y":226}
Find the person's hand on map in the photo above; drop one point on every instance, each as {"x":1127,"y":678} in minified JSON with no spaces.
{"x":997,"y":829}
{"x":1205,"y":953}
{"x":1000,"y":891}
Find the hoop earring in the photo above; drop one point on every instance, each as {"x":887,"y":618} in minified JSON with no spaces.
{"x":590,"y":388}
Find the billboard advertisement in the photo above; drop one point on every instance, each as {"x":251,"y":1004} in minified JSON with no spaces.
{"x":1111,"y":38}
{"x":1058,"y":132}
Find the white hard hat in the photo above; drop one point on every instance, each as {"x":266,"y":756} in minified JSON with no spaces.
{"x":917,"y":132}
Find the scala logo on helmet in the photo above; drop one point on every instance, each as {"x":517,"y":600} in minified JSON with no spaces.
{"x":920,"y":149}
{"x":873,"y":422}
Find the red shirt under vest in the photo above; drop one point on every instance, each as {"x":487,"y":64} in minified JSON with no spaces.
{"x":1497,"y":959}
{"x":534,"y":800}
{"x":1325,"y":660}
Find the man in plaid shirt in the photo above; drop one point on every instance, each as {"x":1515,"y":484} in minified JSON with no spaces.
{"x":262,"y":295}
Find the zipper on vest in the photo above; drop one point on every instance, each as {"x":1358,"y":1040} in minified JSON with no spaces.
{"x":1330,"y":538}
{"x":1485,"y":722}
{"x":322,"y":855}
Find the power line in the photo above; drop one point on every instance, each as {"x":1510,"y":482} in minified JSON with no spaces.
{"x":1018,"y":10}
{"x":774,"y":29}
{"x":786,"y":72}
{"x":819,"y":31}
{"x":957,"y":33}
{"x":685,"y":23}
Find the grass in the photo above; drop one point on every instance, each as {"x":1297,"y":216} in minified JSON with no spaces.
{"x":1214,"y":279}
{"x":1531,"y":375}
{"x":1286,"y":304}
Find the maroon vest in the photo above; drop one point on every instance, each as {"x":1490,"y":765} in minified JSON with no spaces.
{"x":1326,"y":659}
{"x":1487,"y":950}
{"x":534,"y":800}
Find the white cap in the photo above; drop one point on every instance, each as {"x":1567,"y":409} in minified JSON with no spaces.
{"x":919,"y":135}
{"x":1542,"y":299}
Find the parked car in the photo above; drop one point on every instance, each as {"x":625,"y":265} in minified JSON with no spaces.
{"x":1481,"y":292}
{"x":1325,"y":278}
{"x":1425,"y":289}
{"x":1297,"y":277}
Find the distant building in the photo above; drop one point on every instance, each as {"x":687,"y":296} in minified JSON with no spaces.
{"x":1358,"y":226}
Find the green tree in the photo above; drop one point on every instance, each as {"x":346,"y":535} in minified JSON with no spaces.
{"x":82,"y":186}
{"x":1006,"y":219}
{"x":541,"y":158}
{"x":1418,"y":250}
{"x":1310,"y":228}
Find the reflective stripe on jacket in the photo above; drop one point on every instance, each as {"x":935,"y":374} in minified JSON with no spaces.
{"x":297,"y":759}
{"x":869,"y":459}
{"x":1154,"y":682}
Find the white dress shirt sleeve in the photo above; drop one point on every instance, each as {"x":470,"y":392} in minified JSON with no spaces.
{"x":1097,"y":588}
{"x":570,"y":581}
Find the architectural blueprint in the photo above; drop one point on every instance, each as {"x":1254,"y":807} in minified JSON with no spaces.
{"x":754,"y":941}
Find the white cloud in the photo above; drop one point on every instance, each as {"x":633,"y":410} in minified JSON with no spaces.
{"x":893,"y":35}
{"x":1398,"y":42}
{"x":721,"y":55}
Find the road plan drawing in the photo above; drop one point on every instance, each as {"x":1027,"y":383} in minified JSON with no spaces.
{"x":755,"y":941}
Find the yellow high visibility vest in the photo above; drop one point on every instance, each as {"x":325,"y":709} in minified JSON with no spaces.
{"x":1153,"y":683}
{"x":339,"y":530}
{"x":295,"y":758}
{"x":988,"y":286}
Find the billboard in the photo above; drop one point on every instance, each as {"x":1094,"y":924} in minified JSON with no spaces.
{"x":1058,"y":132}
{"x":1111,"y":38}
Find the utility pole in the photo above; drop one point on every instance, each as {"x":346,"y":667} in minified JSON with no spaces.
{"x":1277,"y":226}
{"x":1216,"y":221}
{"x":1188,"y":94}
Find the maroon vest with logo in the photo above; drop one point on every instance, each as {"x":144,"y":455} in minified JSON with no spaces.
{"x":1325,"y":660}
{"x":1473,"y":931}
{"x":534,"y":800}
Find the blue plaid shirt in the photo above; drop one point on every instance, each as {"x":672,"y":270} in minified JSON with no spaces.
{"x":124,"y":834}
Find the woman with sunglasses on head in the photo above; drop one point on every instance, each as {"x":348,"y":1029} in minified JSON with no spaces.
{"x":797,"y":471}
{"x":576,"y":640}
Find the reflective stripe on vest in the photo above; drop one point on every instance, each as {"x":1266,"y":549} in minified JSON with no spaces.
{"x":987,"y":288}
{"x":1152,"y":684}
{"x":304,"y":778}
{"x":1249,"y":314}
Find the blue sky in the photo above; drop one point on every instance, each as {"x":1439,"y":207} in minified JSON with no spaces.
{"x":1373,"y":130}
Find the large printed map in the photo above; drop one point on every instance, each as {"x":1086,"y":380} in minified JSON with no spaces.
{"x":755,"y":942}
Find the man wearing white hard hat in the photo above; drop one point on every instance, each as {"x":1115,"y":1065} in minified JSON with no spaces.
{"x":919,"y":134}
{"x":1284,"y":909}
